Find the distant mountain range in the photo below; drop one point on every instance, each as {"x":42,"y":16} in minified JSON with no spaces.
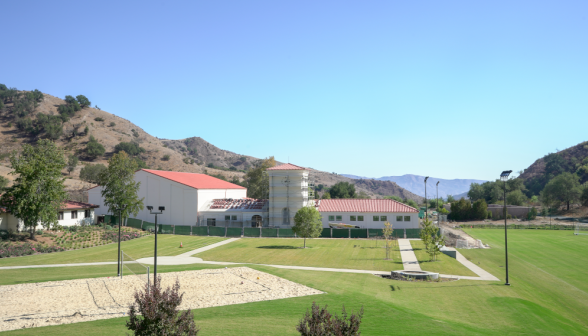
{"x":416,"y":185}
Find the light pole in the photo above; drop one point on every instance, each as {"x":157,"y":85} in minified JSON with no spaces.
{"x":426,"y":203}
{"x":504,"y":177}
{"x":120,"y":210}
{"x":438,"y":222}
{"x":161,"y":209}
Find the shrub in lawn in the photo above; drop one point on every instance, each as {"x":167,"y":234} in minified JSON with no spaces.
{"x":17,"y":250}
{"x":319,"y":322}
{"x":156,"y":312}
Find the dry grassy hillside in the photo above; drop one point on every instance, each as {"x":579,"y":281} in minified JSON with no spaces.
{"x":187,"y":155}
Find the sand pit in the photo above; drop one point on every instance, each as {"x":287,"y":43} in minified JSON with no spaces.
{"x":70,"y":301}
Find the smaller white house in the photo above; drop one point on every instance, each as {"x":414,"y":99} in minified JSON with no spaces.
{"x":368,"y":213}
{"x":71,"y":213}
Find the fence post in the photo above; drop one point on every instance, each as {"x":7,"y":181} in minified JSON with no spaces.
{"x":349,"y":233}
{"x":174,"y":230}
{"x":278,"y":233}
{"x":331,"y":232}
{"x":260,"y":231}
{"x":226,"y":228}
{"x":207,"y":230}
{"x":367,"y":233}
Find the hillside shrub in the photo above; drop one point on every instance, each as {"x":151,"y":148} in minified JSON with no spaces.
{"x":99,"y":119}
{"x":112,"y":124}
{"x":91,"y":173}
{"x":8,"y":249}
{"x":94,"y":149}
{"x":131,"y":148}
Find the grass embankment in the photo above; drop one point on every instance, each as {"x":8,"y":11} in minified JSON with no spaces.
{"x":444,"y":264}
{"x":548,"y":296}
{"x":167,"y":245}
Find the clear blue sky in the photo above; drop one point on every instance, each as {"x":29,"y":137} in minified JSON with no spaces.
{"x":451,"y":89}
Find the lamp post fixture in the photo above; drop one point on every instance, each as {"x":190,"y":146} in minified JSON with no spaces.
{"x":504,"y":177}
{"x":426,"y":204}
{"x":120,"y":210}
{"x":161,"y":209}
{"x":438,"y":222}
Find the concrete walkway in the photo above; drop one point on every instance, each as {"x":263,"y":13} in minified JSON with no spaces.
{"x":409,"y":259}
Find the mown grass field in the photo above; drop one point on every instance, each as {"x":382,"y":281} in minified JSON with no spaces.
{"x":548,"y":296}
{"x":167,"y":245}
{"x":360,"y":254}
{"x":444,"y":264}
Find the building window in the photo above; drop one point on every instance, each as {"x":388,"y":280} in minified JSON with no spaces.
{"x":233,"y":217}
{"x":87,"y":213}
{"x":286,"y":216}
{"x":211,"y":221}
{"x":352,"y":218}
{"x":331,"y":218}
{"x":227,"y":217}
{"x":339,"y":218}
{"x":60,"y":215}
{"x":360,"y":218}
{"x":399,"y":218}
{"x":74,"y":214}
{"x":376,"y":218}
{"x":383,"y":218}
{"x":256,"y":221}
{"x":407,"y":218}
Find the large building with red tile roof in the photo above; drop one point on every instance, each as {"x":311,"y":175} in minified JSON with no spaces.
{"x":199,"y":199}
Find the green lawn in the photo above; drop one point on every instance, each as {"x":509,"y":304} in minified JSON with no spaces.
{"x":548,"y":296}
{"x":335,"y":253}
{"x":444,"y":264}
{"x":167,"y":245}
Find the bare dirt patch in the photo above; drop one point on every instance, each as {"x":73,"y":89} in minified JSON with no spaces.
{"x":70,"y":301}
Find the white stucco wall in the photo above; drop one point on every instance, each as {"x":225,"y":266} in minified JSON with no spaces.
{"x":181,"y":202}
{"x":368,"y":221}
{"x":292,"y":195}
{"x":68,"y":221}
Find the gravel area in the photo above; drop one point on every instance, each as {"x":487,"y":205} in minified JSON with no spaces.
{"x":70,"y":301}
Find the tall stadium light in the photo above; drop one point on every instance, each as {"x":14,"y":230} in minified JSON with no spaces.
{"x":438,"y":222}
{"x":150,"y":208}
{"x":504,"y":177}
{"x":426,"y":204}
{"x":120,"y":211}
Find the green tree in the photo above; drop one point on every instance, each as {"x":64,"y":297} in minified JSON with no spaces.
{"x":387,"y":233}
{"x":94,"y":149}
{"x":564,"y":188}
{"x":72,"y":162}
{"x":119,"y":188}
{"x":257,"y":181}
{"x":307,"y":223}
{"x":91,"y":173}
{"x":411,"y":203}
{"x":450,"y":198}
{"x":431,"y":238}
{"x":3,"y":183}
{"x":396,"y":198}
{"x":343,"y":190}
{"x":83,"y":101}
{"x":132,"y":148}
{"x":460,"y":210}
{"x":516,"y":198}
{"x":584,"y":196}
{"x":326,"y":195}
{"x":479,"y":210}
{"x":476,"y":191}
{"x":38,"y":192}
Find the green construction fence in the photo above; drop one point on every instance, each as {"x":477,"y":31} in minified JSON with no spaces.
{"x":340,"y":233}
{"x":183,"y":230}
{"x":359,"y":233}
{"x":216,"y":231}
{"x":233,"y":232}
{"x":165,"y":228}
{"x":286,"y":233}
{"x":267,"y":232}
{"x":200,"y":230}
{"x":252,"y":232}
{"x":134,"y":223}
{"x":147,"y":226}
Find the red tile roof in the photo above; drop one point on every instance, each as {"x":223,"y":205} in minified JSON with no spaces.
{"x":287,"y":166}
{"x":197,"y":181}
{"x":363,"y":205}
{"x":72,"y":205}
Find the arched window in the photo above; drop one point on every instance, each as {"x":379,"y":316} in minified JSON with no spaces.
{"x":256,"y":221}
{"x":286,"y":216}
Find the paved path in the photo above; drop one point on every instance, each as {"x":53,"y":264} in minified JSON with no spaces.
{"x":409,"y":259}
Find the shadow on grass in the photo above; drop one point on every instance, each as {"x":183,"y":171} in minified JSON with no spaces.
{"x":280,"y":247}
